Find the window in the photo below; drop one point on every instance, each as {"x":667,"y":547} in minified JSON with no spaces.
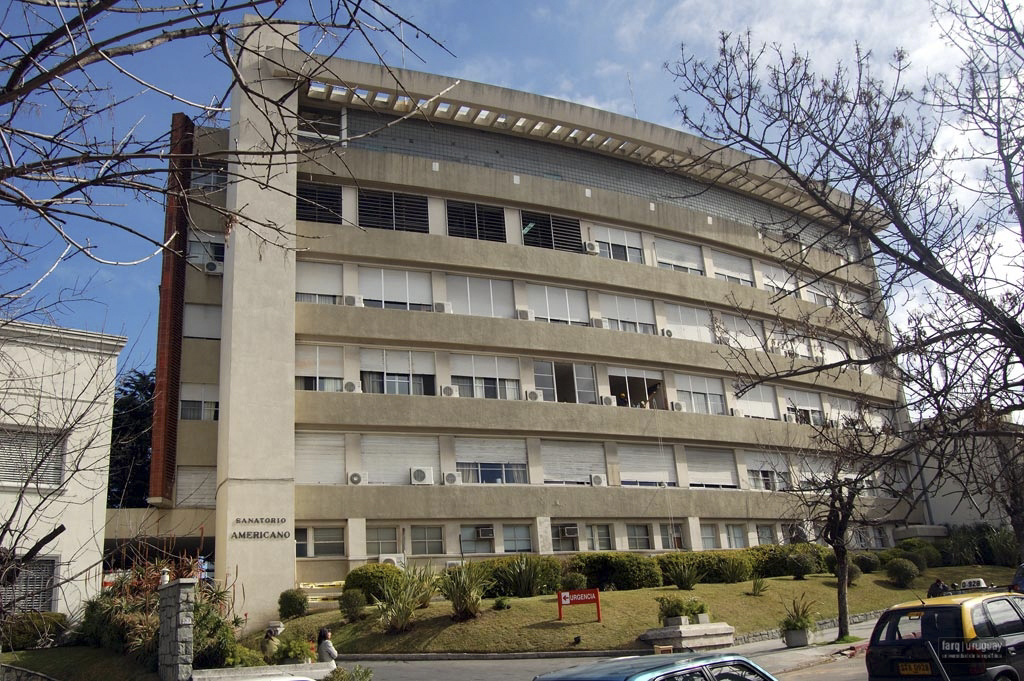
{"x":778,"y":281}
{"x":637,"y":387}
{"x":301,"y":542}
{"x":803,"y":407}
{"x":397,"y":372}
{"x":791,"y":344}
{"x":737,"y":535}
{"x":496,"y":473}
{"x":672,"y":536}
{"x":1004,"y":617}
{"x":33,"y":588}
{"x":391,"y":210}
{"x":700,"y":395}
{"x":199,"y":402}
{"x":516,"y":538}
{"x":320,"y":124}
{"x":476,"y":221}
{"x":880,"y":540}
{"x":732,"y":268}
{"x":644,"y":465}
{"x":491,"y":460}
{"x":769,"y":480}
{"x":564,"y":382}
{"x":31,"y":456}
{"x":201,"y":321}
{"x":481,"y":297}
{"x":689,"y":322}
{"x":328,"y":541}
{"x":738,"y":332}
{"x":381,"y":540}
{"x":759,"y":402}
{"x":485,"y":376}
{"x":427,"y":540}
{"x":766,"y":535}
{"x":318,"y":368}
{"x":638,"y":537}
{"x":204,"y":249}
{"x":318,"y":283}
{"x":736,"y":671}
{"x":318,"y":202}
{"x":623,"y":313}
{"x":565,"y":537}
{"x":679,"y":256}
{"x":476,"y":539}
{"x":558,"y":305}
{"x":396,"y":289}
{"x":618,"y":244}
{"x":712,"y":468}
{"x":823,"y":293}
{"x":709,"y":536}
{"x":599,"y":538}
{"x":542,"y":230}
{"x":208,"y":175}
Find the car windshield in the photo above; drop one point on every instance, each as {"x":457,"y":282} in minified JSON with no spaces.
{"x":928,"y":624}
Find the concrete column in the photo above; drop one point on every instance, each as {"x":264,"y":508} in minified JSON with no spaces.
{"x":692,"y":529}
{"x":176,"y":605}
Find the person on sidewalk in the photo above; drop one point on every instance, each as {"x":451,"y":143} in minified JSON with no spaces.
{"x":325,"y":651}
{"x":938,"y":588}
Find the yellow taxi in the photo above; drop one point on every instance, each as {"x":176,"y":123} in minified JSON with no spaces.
{"x":970,"y":636}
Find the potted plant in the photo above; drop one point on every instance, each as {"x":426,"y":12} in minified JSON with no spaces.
{"x":675,"y":611}
{"x":798,"y":623}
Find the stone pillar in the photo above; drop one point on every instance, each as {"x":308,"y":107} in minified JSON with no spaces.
{"x":177,"y":601}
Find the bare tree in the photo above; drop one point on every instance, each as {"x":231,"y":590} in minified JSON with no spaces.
{"x":79,"y":160}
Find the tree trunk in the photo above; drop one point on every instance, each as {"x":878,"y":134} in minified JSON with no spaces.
{"x":842,"y":573}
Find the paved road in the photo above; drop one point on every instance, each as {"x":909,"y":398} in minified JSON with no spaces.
{"x":842,"y":669}
{"x":467,"y":670}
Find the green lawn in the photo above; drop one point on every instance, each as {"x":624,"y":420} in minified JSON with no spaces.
{"x":532,"y":623}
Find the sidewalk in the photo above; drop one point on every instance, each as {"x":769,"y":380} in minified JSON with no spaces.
{"x":775,"y":657}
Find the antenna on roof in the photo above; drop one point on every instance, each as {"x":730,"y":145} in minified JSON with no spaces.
{"x":631,"y":95}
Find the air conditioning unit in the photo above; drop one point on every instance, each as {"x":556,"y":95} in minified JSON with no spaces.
{"x":789,"y":418}
{"x":452,"y":478}
{"x":354,"y":301}
{"x":678,"y":406}
{"x":667,"y":333}
{"x":597,"y":323}
{"x":736,"y":412}
{"x":532,"y":395}
{"x":358,"y":478}
{"x":571,"y":531}
{"x":213,"y":267}
{"x":486,"y":532}
{"x":396,"y":559}
{"x":452,"y":564}
{"x":598,"y":480}
{"x":449,"y":391}
{"x":591,"y":248}
{"x":524,"y":313}
{"x":353,"y":386}
{"x":421,"y":476}
{"x":445,"y":307}
{"x":608,"y":400}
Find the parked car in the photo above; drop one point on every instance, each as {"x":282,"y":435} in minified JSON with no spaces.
{"x":682,"y":667}
{"x":974,"y":636}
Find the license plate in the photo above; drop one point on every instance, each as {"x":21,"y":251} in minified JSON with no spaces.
{"x":915,"y":668}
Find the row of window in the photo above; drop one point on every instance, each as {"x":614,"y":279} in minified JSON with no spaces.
{"x":483,"y":538}
{"x":409,"y":212}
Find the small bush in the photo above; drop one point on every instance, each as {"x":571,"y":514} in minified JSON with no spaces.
{"x":684,"y":575}
{"x":960,"y":547}
{"x":759,"y":586}
{"x":1003,"y":546}
{"x":867,"y":561}
{"x":295,"y":649}
{"x":24,"y":630}
{"x":769,"y":560}
{"x":736,"y":569}
{"x":464,"y":586}
{"x":573,"y":581}
{"x":917,"y":558}
{"x":371,"y":578}
{"x":352,"y":604}
{"x":676,"y":606}
{"x":502,"y":603}
{"x":292,"y":603}
{"x":799,"y":614}
{"x":399,"y":599}
{"x":521,"y":576}
{"x":358,"y":673}
{"x":928,"y":550}
{"x":800,"y":564}
{"x":853,"y":573}
{"x":901,"y":572}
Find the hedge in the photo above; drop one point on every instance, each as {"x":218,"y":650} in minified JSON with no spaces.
{"x":32,"y":630}
{"x":623,"y":571}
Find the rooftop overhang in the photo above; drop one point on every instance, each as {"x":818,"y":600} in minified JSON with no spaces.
{"x":400,"y":92}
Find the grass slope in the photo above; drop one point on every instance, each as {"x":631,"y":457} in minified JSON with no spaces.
{"x":532,"y":623}
{"x":79,"y":663}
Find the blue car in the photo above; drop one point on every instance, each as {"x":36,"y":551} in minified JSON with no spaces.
{"x":684,"y":667}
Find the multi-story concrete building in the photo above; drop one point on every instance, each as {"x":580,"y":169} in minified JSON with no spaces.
{"x":499,"y":325}
{"x":56,"y":403}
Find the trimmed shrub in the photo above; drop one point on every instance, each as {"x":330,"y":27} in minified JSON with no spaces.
{"x":901,"y":572}
{"x":769,"y":560}
{"x":800,"y":564}
{"x":371,"y":578}
{"x":24,"y":630}
{"x":931,"y":554}
{"x":292,"y":603}
{"x":573,"y":581}
{"x":867,"y":561}
{"x":624,"y":571}
{"x":915,"y":557}
{"x":853,"y":573}
{"x":735,"y":568}
{"x":352,"y":604}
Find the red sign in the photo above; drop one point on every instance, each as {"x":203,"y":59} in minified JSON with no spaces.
{"x":579,"y":597}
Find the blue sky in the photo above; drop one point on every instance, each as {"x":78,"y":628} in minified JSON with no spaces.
{"x":604,"y":53}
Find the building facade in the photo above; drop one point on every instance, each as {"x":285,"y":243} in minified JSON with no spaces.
{"x":57,"y":406}
{"x":502,"y":324}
